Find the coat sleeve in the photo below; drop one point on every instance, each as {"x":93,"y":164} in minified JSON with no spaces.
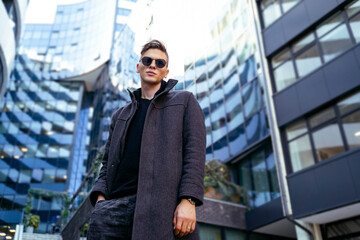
{"x":100,"y":186}
{"x":194,"y":150}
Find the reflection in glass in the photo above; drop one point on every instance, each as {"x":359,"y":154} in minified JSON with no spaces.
{"x":216,"y":98}
{"x":251,"y":98}
{"x":214,"y":76}
{"x":13,"y":175}
{"x":335,"y":42}
{"x":300,"y":153}
{"x":288,"y":4}
{"x":49,"y":175}
{"x":25,"y":176}
{"x":284,"y":75}
{"x":281,"y":57}
{"x":37,"y":175}
{"x":234,"y":112}
{"x":296,"y":129}
{"x":245,"y":177}
{"x":307,"y":61}
{"x":229,"y":63}
{"x":351,"y":125}
{"x":209,"y":232}
{"x":329,"y":24}
{"x":237,"y":140}
{"x":328,"y":142}
{"x":350,"y":103}
{"x":260,"y":178}
{"x":353,"y":8}
{"x":221,"y":149}
{"x":270,"y":161}
{"x":3,"y":174}
{"x":270,"y":11}
{"x":322,"y":117}
{"x":235,"y":235}
{"x":247,"y":71}
{"x":231,"y":85}
{"x":355,"y":26}
{"x":256,"y":128}
{"x":218,"y":123}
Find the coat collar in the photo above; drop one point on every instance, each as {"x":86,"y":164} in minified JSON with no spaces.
{"x":168,"y":86}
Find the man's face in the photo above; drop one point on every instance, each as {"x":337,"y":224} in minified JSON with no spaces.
{"x":152,"y":74}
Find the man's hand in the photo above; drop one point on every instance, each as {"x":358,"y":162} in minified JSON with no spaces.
{"x":184,"y":218}
{"x":100,"y":197}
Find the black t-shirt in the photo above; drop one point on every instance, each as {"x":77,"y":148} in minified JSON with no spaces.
{"x":127,"y":173}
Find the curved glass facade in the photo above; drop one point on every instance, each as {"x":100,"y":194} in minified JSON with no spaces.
{"x":227,"y":83}
{"x":78,"y":41}
{"x":46,"y":119}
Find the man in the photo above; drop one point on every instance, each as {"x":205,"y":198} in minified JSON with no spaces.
{"x":153,"y":166}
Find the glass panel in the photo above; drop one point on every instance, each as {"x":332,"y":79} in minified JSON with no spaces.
{"x":303,"y":42}
{"x":288,"y":4}
{"x":245,"y":177}
{"x":13,"y":175}
{"x":281,"y":57}
{"x":3,"y":174}
{"x":296,"y":129}
{"x":49,"y":175}
{"x":216,"y":98}
{"x":56,"y":204}
{"x":209,"y":232}
{"x":231,"y":85}
{"x":351,"y":126}
{"x":275,"y":190}
{"x":353,"y":8}
{"x":307,"y":61}
{"x":284,"y":75}
{"x":247,"y":71}
{"x":328,"y":142}
{"x":349,"y":104}
{"x":251,"y":98}
{"x":235,"y":235}
{"x":300,"y":153}
{"x":221,"y":149}
{"x":61,"y":175}
{"x":322,"y":117}
{"x":237,"y":140}
{"x":260,"y":178}
{"x":256,"y":128}
{"x":270,"y":11}
{"x":355,"y":26}
{"x":37,"y":175}
{"x":218,"y":123}
{"x":335,"y":42}
{"x":329,"y":24}
{"x":234,"y":112}
{"x":25,"y":176}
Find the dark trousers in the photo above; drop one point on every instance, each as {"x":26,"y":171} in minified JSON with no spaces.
{"x":112,"y":219}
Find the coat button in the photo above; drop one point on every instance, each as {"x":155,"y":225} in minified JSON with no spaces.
{"x":112,"y":165}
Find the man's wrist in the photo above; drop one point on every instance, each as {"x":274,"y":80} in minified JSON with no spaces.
{"x":190,"y":200}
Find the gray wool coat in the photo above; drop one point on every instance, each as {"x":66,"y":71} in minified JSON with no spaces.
{"x":172,"y":160}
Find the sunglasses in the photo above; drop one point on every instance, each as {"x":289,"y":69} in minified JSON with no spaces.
{"x":160,"y":63}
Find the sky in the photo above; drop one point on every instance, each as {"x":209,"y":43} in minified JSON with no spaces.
{"x":183,"y":25}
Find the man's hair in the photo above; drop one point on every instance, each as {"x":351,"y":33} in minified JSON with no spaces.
{"x":156,"y":44}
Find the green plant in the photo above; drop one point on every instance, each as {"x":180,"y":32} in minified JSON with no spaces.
{"x":218,"y":185}
{"x":34,"y":221}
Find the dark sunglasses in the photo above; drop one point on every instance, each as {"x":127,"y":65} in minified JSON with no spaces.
{"x":160,"y":63}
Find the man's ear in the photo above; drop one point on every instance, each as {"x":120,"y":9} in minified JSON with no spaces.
{"x":137,"y":68}
{"x":167,"y":72}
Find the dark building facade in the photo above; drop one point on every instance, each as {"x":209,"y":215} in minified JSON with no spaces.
{"x":313,"y":84}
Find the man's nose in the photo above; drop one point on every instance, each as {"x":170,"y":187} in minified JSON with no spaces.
{"x":153,"y":64}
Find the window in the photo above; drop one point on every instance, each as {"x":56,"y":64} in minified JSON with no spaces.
{"x":325,"y":134}
{"x":330,"y":38}
{"x":257,"y":174}
{"x":273,"y":9}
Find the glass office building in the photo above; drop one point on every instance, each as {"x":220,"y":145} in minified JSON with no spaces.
{"x":12,"y":14}
{"x":47,"y":115}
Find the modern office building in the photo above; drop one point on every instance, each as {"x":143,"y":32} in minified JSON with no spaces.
{"x":12,"y":14}
{"x":311,"y":50}
{"x":47,"y":114}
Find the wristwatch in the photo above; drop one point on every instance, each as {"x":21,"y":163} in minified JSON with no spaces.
{"x":191,"y":201}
